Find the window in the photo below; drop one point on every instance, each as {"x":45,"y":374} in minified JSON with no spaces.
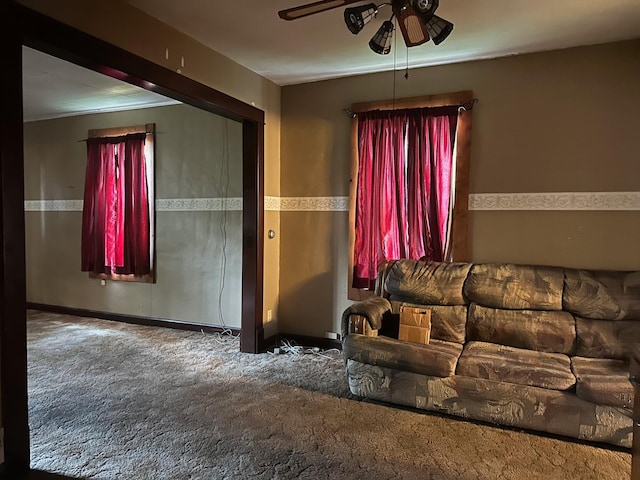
{"x":118,"y":210}
{"x":409,"y":184}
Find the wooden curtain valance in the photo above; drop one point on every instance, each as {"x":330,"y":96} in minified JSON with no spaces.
{"x":463,"y":99}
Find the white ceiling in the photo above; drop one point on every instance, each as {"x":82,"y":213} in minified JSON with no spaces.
{"x":320,"y":46}
{"x":54,"y":88}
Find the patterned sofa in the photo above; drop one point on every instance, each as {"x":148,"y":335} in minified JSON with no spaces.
{"x":535,"y":347}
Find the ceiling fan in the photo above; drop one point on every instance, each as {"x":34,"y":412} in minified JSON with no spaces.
{"x":416,"y":19}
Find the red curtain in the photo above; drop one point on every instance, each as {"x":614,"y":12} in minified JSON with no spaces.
{"x":136,"y":229}
{"x":115,"y":217}
{"x":404,"y":187}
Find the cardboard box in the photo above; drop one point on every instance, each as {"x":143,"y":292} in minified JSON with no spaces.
{"x":415,"y":325}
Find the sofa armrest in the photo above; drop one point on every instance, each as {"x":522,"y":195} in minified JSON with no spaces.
{"x":372,"y":309}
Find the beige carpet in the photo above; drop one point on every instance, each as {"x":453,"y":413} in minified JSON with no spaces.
{"x":116,"y":401}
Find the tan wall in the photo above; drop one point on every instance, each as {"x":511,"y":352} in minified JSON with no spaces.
{"x":145,"y":36}
{"x":572,"y":99}
{"x":195,"y":152}
{"x":561,"y":121}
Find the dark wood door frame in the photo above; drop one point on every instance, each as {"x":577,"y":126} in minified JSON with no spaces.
{"x":21,"y":26}
{"x":13,"y":348}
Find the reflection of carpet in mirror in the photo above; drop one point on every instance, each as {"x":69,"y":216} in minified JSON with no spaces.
{"x":110,"y":400}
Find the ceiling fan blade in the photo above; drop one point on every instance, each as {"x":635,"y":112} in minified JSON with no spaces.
{"x":413,"y":29}
{"x":312,"y":8}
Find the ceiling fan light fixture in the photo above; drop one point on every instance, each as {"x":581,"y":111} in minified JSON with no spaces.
{"x":381,"y":41}
{"x":438,"y":28}
{"x":357,"y":17}
{"x":425,"y":8}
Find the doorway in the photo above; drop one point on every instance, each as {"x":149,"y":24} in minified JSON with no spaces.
{"x":22,"y":26}
{"x":194,"y":179}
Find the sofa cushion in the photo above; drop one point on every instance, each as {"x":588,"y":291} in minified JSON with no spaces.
{"x":531,"y":329}
{"x":437,"y":358}
{"x":603,"y":381}
{"x":516,"y":287}
{"x":516,"y":365}
{"x":604,"y":295}
{"x":427,"y":283}
{"x":605,"y":338}
{"x":448,"y":323}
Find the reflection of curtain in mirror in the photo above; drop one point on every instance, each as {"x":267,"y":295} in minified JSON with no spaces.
{"x":404,"y":187}
{"x":115,"y":217}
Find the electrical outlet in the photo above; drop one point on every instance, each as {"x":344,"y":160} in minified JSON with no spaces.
{"x":269,"y":315}
{"x":332,"y":335}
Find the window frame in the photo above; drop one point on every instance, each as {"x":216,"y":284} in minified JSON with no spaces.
{"x":150,"y":130}
{"x":460,"y":243}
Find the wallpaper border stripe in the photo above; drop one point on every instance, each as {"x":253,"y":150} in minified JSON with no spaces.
{"x":162,"y":205}
{"x":53,"y":205}
{"x":307,"y":204}
{"x":558,"y":201}
{"x":570,"y":201}
{"x":199,"y":204}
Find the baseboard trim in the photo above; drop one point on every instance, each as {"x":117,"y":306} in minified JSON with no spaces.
{"x":132,"y":319}
{"x":269,"y":342}
{"x":305,"y":341}
{"x":273,"y":340}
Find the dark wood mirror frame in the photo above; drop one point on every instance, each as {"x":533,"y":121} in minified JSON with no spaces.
{"x":21,"y":26}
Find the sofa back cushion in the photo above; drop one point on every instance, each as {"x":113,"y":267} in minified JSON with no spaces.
{"x":516,"y":287}
{"x":448,"y":323}
{"x":606,"y":339}
{"x":604,"y":295}
{"x":427,"y":283}
{"x":531,"y":329}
